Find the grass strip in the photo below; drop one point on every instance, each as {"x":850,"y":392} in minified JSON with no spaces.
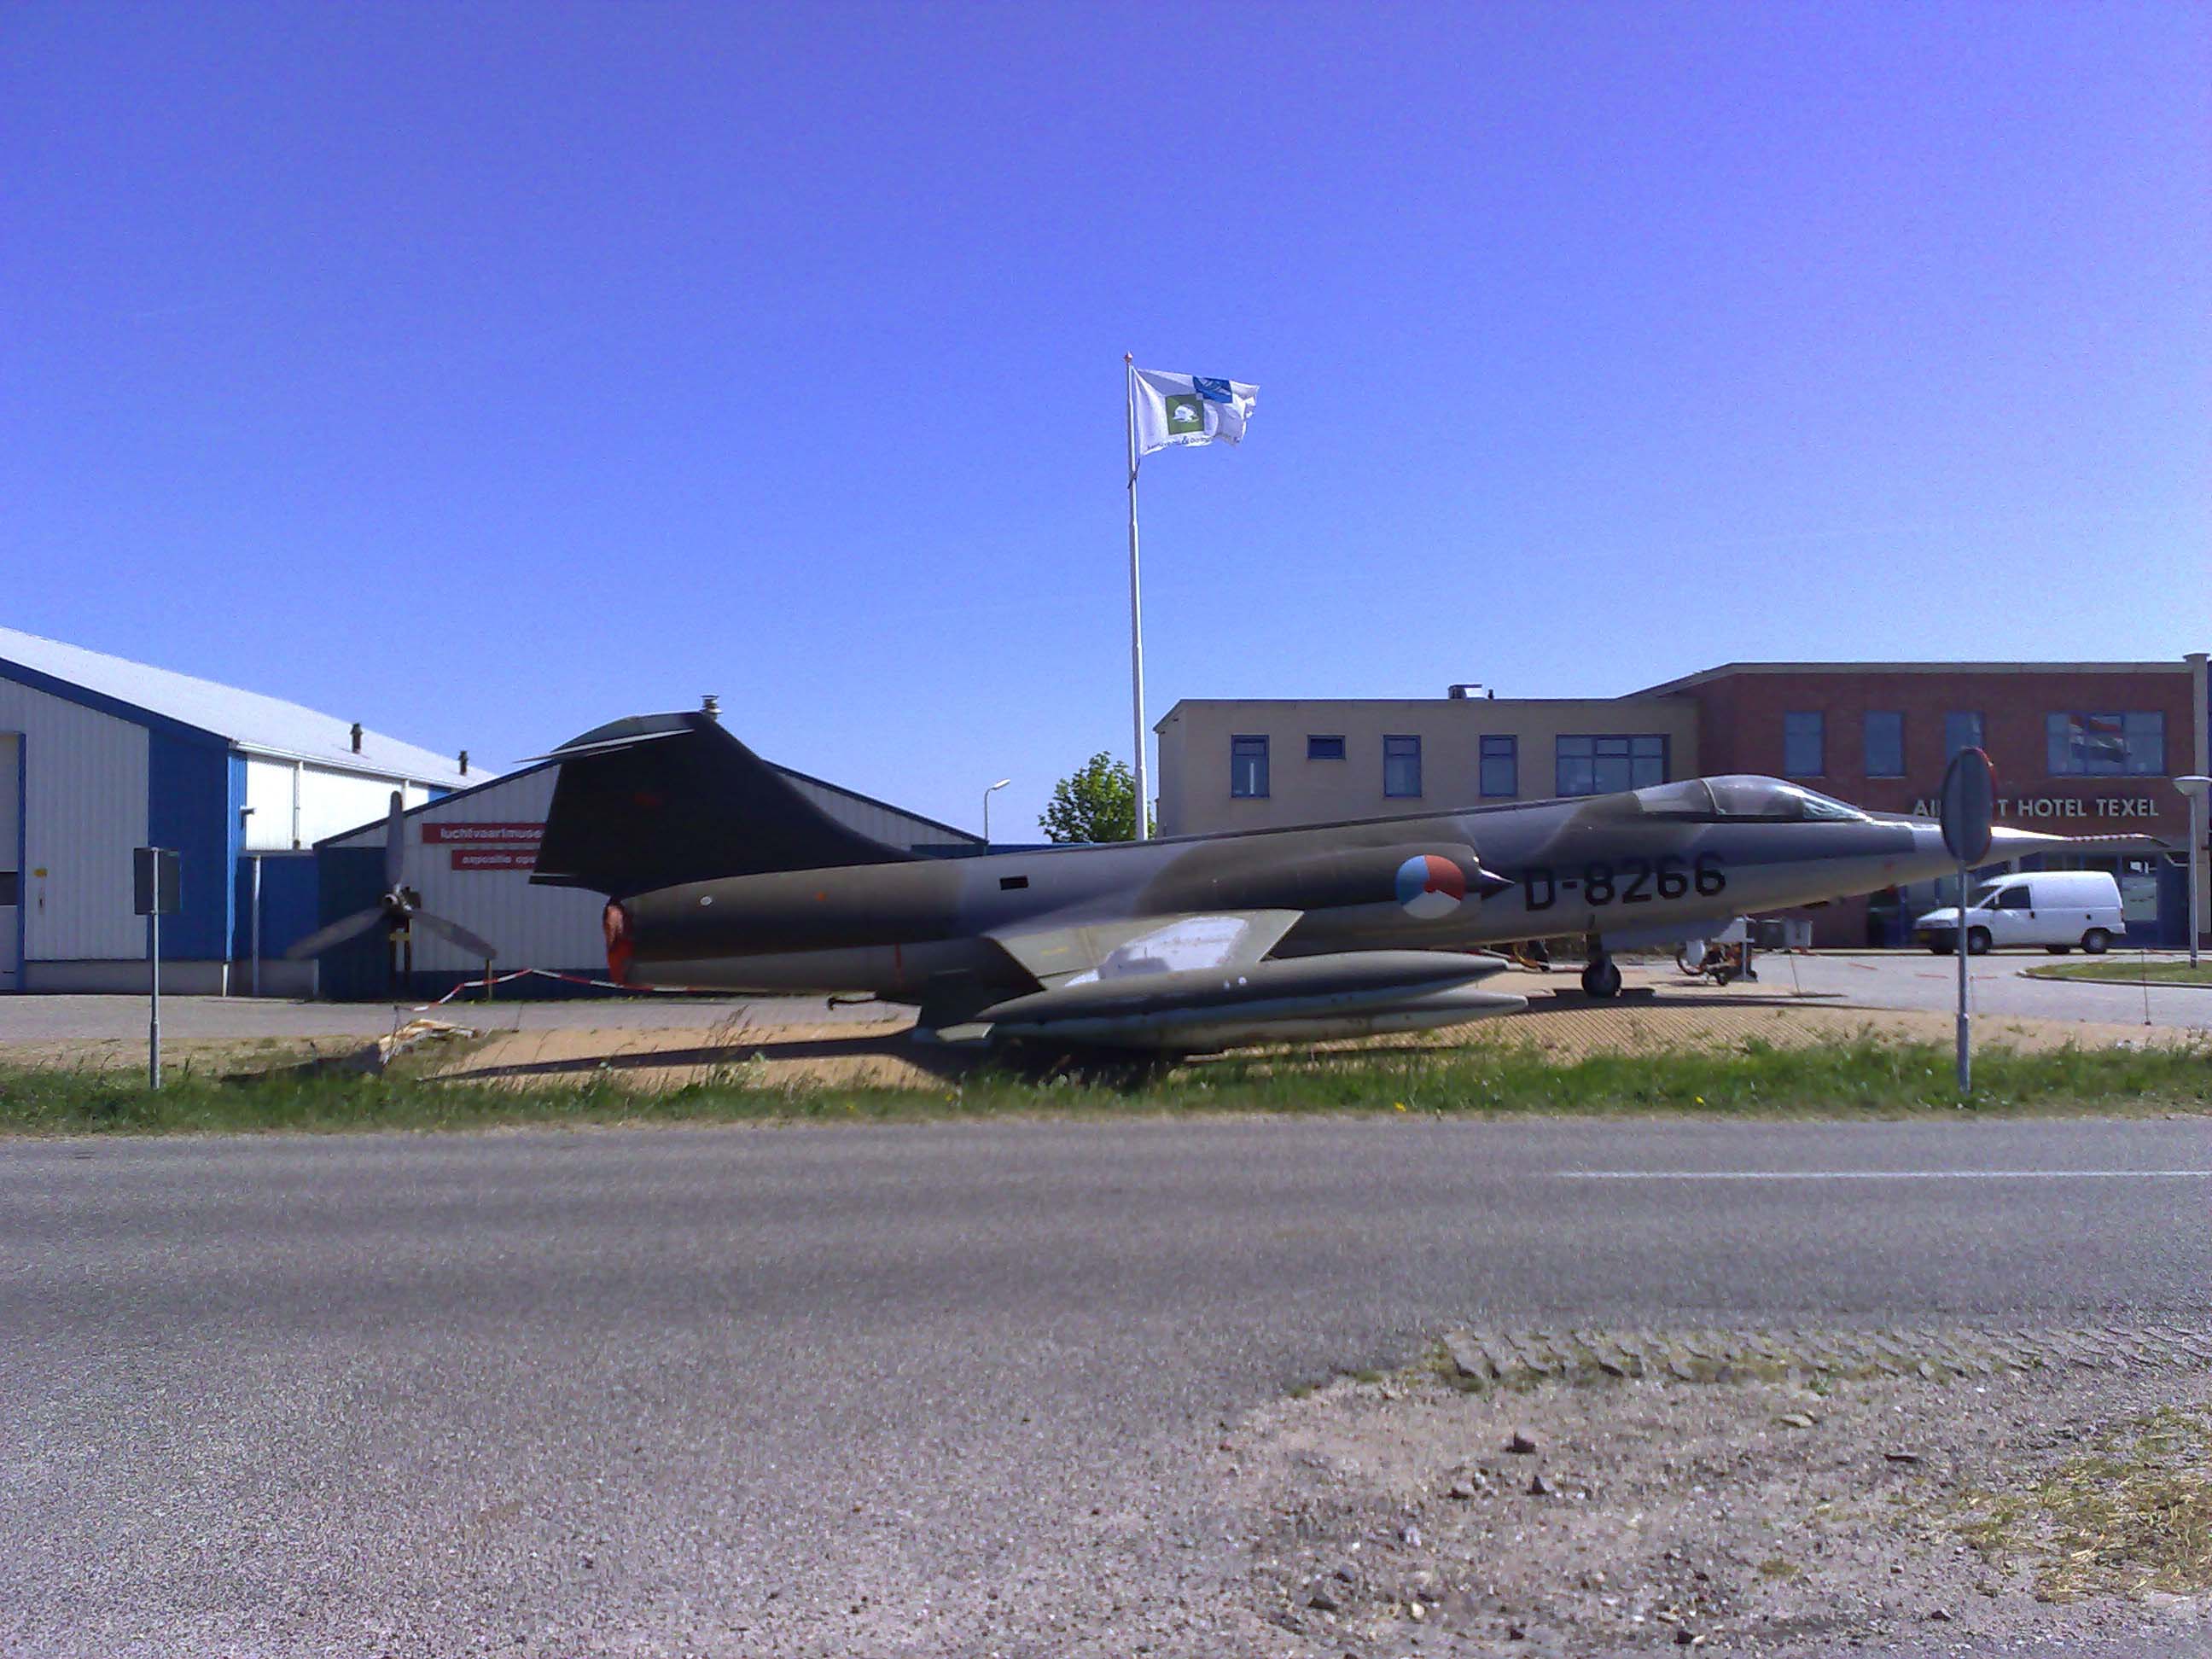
{"x":2120,"y":971}
{"x":1857,"y":1077}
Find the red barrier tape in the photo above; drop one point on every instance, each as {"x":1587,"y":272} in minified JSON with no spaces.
{"x":565,"y":979}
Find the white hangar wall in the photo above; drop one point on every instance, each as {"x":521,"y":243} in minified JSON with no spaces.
{"x":469,"y":855}
{"x":83,"y":810}
{"x":873,"y":817}
{"x":296,"y":803}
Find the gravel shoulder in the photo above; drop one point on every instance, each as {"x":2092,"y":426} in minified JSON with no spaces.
{"x":1895,"y":1514}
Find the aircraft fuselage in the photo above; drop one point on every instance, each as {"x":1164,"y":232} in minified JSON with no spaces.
{"x":1602,"y":866}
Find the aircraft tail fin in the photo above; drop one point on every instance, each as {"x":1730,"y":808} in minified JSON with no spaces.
{"x":659,"y":800}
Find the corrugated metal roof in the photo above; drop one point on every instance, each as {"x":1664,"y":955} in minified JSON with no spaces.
{"x":245,"y":719}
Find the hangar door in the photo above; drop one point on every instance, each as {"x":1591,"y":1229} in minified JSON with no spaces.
{"x":11,"y":849}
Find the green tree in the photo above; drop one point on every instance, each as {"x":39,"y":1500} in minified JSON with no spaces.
{"x":1093,"y":804}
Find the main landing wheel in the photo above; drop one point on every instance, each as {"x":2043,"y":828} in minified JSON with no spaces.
{"x":1601,"y":978}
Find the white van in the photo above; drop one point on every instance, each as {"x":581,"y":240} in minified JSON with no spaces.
{"x":2057,"y":909}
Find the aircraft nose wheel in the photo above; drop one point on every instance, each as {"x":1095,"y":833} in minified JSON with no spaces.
{"x":1601,"y":977}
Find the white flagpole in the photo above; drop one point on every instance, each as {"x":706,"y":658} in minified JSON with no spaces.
{"x":1136,"y":608}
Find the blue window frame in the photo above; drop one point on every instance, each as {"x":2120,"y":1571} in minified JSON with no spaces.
{"x":1401,"y":766}
{"x":2107,"y":745}
{"x":1324,"y":748}
{"x":1962,"y":729}
{"x":1804,"y":744}
{"x":1885,"y":744}
{"x":1248,"y":768}
{"x":1605,"y":764}
{"x":1501,"y":768}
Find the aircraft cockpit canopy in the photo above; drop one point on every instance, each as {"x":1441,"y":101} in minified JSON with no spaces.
{"x":1743,"y":798}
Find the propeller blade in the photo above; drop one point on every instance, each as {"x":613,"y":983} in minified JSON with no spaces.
{"x":337,"y":933}
{"x":453,"y":932}
{"x":394,"y":845}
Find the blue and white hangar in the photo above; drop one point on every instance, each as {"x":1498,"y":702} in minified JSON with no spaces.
{"x":281,"y":817}
{"x":98,"y":755}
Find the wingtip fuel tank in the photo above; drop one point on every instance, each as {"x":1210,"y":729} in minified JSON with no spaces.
{"x":1296,"y":999}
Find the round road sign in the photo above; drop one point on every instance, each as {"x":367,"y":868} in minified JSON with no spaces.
{"x":1969,"y":803}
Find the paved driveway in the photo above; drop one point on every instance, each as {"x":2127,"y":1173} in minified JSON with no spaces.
{"x":1996,"y":984}
{"x":43,"y":1019}
{"x":1874,"y":979}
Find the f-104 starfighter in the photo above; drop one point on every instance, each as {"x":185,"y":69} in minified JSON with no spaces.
{"x":719,"y":874}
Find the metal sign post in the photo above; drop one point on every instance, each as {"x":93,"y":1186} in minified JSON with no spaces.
{"x":154,"y":891}
{"x":1969,"y":804}
{"x":2195,"y":789}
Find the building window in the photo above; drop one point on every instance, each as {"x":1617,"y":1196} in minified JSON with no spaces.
{"x":1962,"y":729}
{"x":1885,"y":744}
{"x":1501,"y":767}
{"x":2106,"y":745}
{"x":1804,"y":746}
{"x":1248,"y":768}
{"x":1324,"y":748}
{"x":1401,"y":766}
{"x":1606,"y":765}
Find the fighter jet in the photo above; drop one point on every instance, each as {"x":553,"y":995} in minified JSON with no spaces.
{"x":719,"y":874}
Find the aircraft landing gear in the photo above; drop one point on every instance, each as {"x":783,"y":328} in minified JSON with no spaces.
{"x":1601,"y":976}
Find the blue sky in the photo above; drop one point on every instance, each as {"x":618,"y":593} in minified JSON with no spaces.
{"x":486,"y":372}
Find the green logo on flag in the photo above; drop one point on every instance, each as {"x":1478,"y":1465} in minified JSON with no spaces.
{"x":1186,"y":413}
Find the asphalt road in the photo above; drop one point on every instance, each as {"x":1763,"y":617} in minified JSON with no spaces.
{"x":942,"y":1389}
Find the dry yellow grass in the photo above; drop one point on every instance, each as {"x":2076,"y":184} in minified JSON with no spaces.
{"x":1564,"y":1026}
{"x":2131,"y":1516}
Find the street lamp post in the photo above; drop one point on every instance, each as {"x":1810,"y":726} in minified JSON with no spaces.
{"x":987,"y":793}
{"x":2195,"y":789}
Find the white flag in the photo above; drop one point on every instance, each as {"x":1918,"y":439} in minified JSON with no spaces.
{"x":1189,"y":409}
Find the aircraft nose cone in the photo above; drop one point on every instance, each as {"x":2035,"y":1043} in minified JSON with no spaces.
{"x":2006,"y":844}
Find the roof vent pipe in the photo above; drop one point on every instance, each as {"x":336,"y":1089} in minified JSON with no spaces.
{"x":711,"y":707}
{"x":464,"y":763}
{"x":356,"y":736}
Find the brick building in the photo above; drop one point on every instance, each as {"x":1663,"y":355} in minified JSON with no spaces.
{"x":2079,"y":749}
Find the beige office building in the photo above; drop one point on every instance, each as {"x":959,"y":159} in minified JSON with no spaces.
{"x":1261,"y":764}
{"x":2087,"y":749}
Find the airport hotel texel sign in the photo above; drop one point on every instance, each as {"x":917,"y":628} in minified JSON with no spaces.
{"x":2059,"y":806}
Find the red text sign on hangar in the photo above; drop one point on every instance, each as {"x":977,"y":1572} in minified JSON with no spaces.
{"x":483,"y":835}
{"x":495,"y":858}
{"x":488,"y":846}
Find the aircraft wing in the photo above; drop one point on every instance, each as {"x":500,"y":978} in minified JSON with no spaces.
{"x":1078,"y":953}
